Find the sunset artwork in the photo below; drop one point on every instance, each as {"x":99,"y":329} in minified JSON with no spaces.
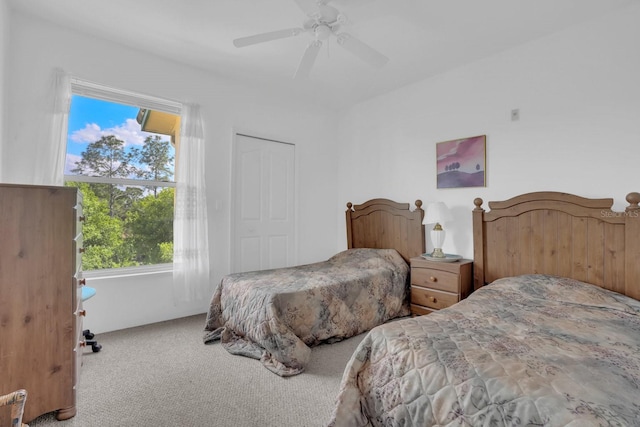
{"x":461,"y":162}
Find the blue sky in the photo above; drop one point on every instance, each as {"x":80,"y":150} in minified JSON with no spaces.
{"x":90,"y":119}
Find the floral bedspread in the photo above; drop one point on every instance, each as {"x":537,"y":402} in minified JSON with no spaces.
{"x":525,"y":351}
{"x":276,"y":315}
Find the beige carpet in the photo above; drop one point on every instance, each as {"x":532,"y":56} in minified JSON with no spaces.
{"x":163,"y":375}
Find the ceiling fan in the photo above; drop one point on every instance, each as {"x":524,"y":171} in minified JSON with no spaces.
{"x":323,"y":22}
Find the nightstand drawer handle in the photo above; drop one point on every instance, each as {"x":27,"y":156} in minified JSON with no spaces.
{"x":433,"y":299}
{"x":433,"y":279}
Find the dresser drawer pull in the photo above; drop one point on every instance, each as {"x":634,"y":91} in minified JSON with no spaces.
{"x":432,"y":299}
{"x":433,"y":279}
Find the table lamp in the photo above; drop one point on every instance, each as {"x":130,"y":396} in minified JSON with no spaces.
{"x":437,"y":213}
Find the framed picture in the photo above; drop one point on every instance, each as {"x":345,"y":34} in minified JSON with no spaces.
{"x":461,"y":162}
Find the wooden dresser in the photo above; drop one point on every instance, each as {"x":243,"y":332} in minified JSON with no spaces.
{"x":40,"y":304}
{"x":437,"y":285}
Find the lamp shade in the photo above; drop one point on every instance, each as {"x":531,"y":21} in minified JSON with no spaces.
{"x":437,"y":212}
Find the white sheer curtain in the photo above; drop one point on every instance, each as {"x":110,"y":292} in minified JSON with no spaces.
{"x":190,"y":230}
{"x":50,"y":156}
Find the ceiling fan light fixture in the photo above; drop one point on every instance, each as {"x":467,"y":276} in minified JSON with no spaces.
{"x":322,"y":32}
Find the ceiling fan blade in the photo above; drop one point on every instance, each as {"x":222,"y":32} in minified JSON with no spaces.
{"x":309,"y":7}
{"x":362,"y":50}
{"x":308,"y":59}
{"x":266,"y":37}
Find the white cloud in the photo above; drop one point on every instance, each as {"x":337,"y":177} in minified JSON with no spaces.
{"x":70,"y":163}
{"x":90,"y":133}
{"x":129,"y":132}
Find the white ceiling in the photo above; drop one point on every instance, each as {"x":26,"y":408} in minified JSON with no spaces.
{"x":421,"y":38}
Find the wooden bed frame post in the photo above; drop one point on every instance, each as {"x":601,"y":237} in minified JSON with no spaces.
{"x":632,"y":246}
{"x":349,"y":228}
{"x":478,"y":245}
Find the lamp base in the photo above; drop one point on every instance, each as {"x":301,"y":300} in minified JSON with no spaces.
{"x":437,"y":253}
{"x":437,"y":236}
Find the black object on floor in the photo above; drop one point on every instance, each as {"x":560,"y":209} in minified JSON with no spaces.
{"x":88,"y":336}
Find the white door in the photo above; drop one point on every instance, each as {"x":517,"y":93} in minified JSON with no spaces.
{"x":263,"y":193}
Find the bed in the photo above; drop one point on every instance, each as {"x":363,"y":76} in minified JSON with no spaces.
{"x":277,"y":315}
{"x":549,"y":337}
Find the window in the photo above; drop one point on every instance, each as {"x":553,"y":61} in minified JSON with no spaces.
{"x":122,"y":158}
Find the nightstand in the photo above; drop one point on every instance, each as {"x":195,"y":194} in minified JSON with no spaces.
{"x":436,"y":285}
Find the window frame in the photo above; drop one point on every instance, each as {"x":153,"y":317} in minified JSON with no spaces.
{"x":105,"y":93}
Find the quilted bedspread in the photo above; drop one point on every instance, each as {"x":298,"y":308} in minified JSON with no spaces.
{"x":525,"y":351}
{"x":276,"y":315}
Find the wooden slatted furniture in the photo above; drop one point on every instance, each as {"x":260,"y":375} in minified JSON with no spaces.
{"x":40,"y":311}
{"x":560,"y":234}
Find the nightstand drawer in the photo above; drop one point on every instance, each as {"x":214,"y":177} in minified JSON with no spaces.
{"x":435,"y":279}
{"x":418,"y":310}
{"x":432,"y":298}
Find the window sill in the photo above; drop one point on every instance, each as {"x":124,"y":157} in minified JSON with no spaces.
{"x":128,"y":271}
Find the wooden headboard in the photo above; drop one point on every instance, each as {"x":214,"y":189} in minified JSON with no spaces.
{"x":559,"y":234}
{"x":385,"y":224}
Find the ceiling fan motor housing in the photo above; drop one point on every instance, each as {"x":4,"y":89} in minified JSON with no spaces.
{"x":322,"y":32}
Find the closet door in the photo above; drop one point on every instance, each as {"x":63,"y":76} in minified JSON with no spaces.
{"x":263,"y":204}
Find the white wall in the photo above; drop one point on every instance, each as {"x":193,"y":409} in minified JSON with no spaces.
{"x":579,"y":130}
{"x":4,"y":43}
{"x":38,"y":47}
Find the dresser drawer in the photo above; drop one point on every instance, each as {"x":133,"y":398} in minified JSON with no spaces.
{"x":435,"y":279}
{"x":432,"y":298}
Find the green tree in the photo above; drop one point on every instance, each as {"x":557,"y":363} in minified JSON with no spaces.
{"x":149,"y":226}
{"x":127,"y":225}
{"x":103,"y":237}
{"x":107,"y":157}
{"x":166,"y":252}
{"x":155,"y":154}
